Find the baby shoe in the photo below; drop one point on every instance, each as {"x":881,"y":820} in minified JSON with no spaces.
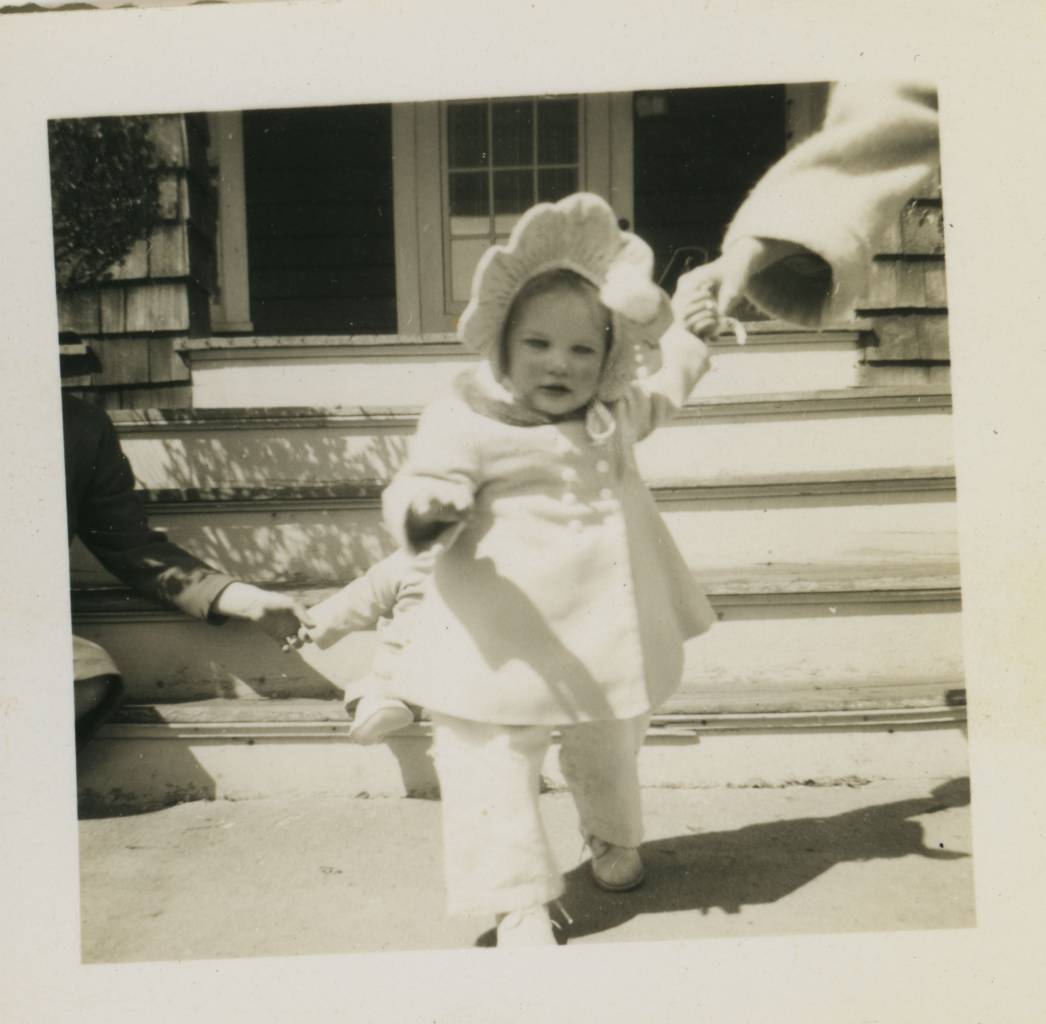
{"x":529,"y":927}
{"x":615,"y":868}
{"x":376,"y":718}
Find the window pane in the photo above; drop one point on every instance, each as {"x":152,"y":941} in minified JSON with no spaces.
{"x":557,"y":131}
{"x":464,"y":255}
{"x":513,"y":131}
{"x":503,"y":224}
{"x":556,"y":183}
{"x":462,"y":227}
{"x":513,"y":191}
{"x":469,"y":195}
{"x":467,"y":134}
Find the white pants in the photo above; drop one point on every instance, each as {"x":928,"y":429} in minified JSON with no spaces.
{"x":496,"y":854}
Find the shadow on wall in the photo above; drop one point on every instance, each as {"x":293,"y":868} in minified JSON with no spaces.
{"x":176,"y":777}
{"x":169,"y":773}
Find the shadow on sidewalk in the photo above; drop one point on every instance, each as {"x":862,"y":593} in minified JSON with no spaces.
{"x":756,"y":864}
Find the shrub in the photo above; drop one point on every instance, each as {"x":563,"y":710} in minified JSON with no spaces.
{"x":104,"y":193}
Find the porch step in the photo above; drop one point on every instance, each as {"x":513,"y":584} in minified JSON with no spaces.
{"x":773,"y":432}
{"x":153,"y":756}
{"x":824,"y":632}
{"x":334,"y":531}
{"x":398,"y":369}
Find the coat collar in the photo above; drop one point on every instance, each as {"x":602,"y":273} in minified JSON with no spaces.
{"x":483,"y":394}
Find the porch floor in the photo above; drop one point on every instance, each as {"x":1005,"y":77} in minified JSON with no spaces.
{"x":276,"y":877}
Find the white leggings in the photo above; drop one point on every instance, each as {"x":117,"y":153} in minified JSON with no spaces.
{"x":496,"y":853}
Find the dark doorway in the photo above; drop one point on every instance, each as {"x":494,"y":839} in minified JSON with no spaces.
{"x":320,"y":245}
{"x":698,"y":152}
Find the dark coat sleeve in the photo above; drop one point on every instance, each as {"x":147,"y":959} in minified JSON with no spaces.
{"x":109,"y":517}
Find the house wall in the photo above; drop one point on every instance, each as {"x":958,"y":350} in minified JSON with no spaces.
{"x":324,"y":255}
{"x":159,"y":294}
{"x":907,"y":300}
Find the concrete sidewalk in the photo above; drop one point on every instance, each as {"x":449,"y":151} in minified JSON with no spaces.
{"x":325,"y":876}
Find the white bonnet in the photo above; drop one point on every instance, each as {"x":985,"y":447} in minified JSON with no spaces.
{"x":578,"y":233}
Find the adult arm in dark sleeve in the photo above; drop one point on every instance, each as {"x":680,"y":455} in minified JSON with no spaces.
{"x":109,"y":517}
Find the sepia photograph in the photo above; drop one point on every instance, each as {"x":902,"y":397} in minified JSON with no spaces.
{"x":751,"y":722}
{"x":516,"y":519}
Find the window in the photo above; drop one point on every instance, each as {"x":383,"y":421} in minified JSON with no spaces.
{"x":500,"y":157}
{"x":464,"y":171}
{"x":371,"y":219}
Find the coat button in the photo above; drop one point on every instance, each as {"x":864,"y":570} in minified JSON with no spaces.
{"x":603,"y":466}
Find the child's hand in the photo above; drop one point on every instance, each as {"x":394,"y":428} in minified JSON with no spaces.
{"x":695,"y":305}
{"x":298,"y":640}
{"x":444,"y":504}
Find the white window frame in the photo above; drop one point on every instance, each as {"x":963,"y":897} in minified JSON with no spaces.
{"x":231,"y":303}
{"x":420,"y":198}
{"x":419,"y":202}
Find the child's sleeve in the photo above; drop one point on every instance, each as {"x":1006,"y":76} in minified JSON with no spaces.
{"x":443,"y":459}
{"x":361,"y":604}
{"x":649,"y":403}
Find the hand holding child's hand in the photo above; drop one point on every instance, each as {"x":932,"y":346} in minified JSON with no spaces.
{"x":730,"y":275}
{"x":298,"y":640}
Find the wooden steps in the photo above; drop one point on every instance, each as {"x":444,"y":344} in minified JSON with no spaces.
{"x":815,"y":503}
{"x":321,"y":719}
{"x":399,"y":369}
{"x":335,"y":531}
{"x":868,"y":428}
{"x":845,"y":636}
{"x":292,"y":494}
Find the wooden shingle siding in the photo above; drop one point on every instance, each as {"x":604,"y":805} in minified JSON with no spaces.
{"x":916,"y":337}
{"x":114,"y":310}
{"x":80,"y":311}
{"x":922,"y":228}
{"x":907,"y":284}
{"x":168,"y":251}
{"x":907,"y":298}
{"x":159,"y":293}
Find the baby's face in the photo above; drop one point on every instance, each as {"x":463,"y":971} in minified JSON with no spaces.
{"x":555,"y":349}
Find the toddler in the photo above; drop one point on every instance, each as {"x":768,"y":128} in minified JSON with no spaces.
{"x":559,"y":599}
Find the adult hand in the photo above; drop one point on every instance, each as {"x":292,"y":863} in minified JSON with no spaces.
{"x":728,"y":276}
{"x":280,"y":615}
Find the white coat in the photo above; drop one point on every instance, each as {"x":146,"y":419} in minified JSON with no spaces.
{"x":563,"y":598}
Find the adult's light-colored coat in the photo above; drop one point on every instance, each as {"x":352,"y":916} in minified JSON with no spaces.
{"x":835,"y":194}
{"x":563,"y":598}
